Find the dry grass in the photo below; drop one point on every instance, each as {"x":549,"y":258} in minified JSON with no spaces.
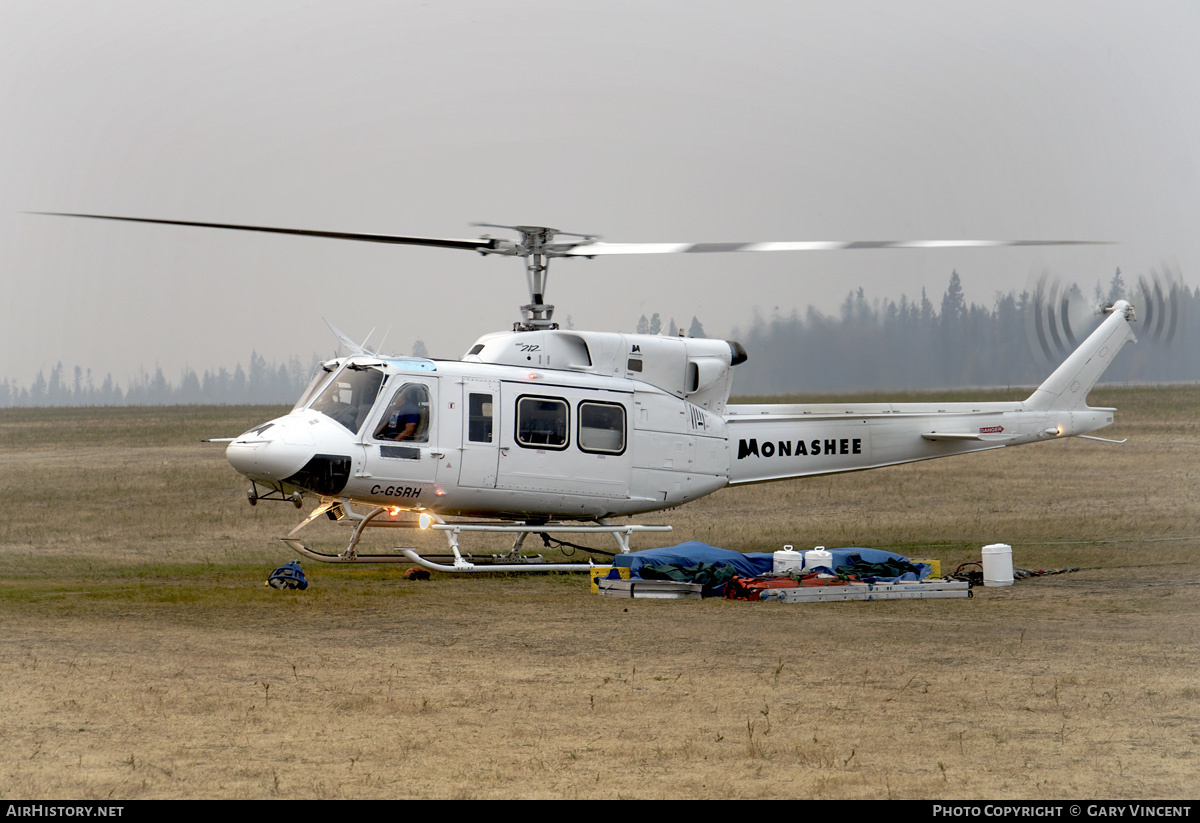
{"x":142,"y":656}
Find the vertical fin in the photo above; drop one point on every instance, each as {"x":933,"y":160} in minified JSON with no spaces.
{"x":1067,"y":388}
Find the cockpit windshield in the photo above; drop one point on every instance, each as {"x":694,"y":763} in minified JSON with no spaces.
{"x":320,"y":375}
{"x":349,"y":396}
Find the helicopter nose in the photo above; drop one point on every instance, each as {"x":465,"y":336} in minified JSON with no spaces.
{"x":273,"y":451}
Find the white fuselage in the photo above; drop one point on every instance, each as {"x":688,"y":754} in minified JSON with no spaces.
{"x":526,"y":451}
{"x":560,"y":425}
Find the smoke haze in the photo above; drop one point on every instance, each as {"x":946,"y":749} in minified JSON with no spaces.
{"x":670,"y":121}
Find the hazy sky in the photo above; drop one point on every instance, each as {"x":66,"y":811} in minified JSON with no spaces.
{"x":639,"y":121}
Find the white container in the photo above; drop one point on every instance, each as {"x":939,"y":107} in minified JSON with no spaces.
{"x":818,"y":557}
{"x":997,"y":565}
{"x":787,"y":561}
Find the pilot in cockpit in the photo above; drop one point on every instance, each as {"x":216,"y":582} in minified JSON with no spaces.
{"x":403,"y":418}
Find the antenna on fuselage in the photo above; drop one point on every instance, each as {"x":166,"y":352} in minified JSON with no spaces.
{"x":354,"y":348}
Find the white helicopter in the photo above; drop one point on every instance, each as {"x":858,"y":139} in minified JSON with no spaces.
{"x":542,"y":430}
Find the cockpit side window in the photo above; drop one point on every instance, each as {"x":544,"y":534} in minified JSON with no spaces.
{"x":349,"y":396}
{"x":407,"y":416}
{"x":479,"y":426}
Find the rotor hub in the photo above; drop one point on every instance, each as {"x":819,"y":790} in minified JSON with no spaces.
{"x":537,"y":246}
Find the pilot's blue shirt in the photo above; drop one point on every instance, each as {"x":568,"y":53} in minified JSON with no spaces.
{"x":408,"y":412}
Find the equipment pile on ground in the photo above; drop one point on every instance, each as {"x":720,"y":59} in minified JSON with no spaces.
{"x":692,"y":570}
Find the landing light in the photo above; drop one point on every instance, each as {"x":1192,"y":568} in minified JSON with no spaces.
{"x":424,"y":521}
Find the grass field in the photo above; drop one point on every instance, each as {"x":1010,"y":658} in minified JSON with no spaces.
{"x":142,"y":656}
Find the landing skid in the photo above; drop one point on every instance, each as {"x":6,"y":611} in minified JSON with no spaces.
{"x":342,"y":511}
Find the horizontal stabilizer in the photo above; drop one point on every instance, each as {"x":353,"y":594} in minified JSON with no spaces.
{"x":964,"y":436}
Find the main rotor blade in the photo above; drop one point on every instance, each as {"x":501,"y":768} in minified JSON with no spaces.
{"x":483,"y":245}
{"x":488,"y":245}
{"x":597,"y":249}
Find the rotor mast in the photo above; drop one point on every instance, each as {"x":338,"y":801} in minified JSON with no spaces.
{"x":537,"y":247}
{"x":537,"y":313}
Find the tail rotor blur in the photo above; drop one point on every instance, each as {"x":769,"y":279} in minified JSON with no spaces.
{"x":1060,"y":315}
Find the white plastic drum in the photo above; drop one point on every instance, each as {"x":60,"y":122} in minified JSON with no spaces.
{"x":997,"y":565}
{"x":787,"y":561}
{"x":818,"y":557}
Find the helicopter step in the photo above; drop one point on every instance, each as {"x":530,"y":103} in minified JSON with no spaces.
{"x":342,"y":511}
{"x":253,"y":494}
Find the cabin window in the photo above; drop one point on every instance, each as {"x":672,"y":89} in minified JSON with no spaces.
{"x":601,"y":427}
{"x":542,"y":422}
{"x":349,"y":396}
{"x":407,"y":416}
{"x":635,"y":364}
{"x":479,"y":421}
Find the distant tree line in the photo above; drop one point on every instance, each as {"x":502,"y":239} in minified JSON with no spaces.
{"x":654,"y":325}
{"x":884,"y":344}
{"x":261,"y":383}
{"x":874,"y":344}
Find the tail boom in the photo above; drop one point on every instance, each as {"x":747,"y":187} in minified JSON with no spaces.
{"x":775,"y":442}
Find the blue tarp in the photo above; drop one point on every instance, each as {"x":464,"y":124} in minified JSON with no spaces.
{"x":751,"y":564}
{"x":841,"y":557}
{"x":693,"y":553}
